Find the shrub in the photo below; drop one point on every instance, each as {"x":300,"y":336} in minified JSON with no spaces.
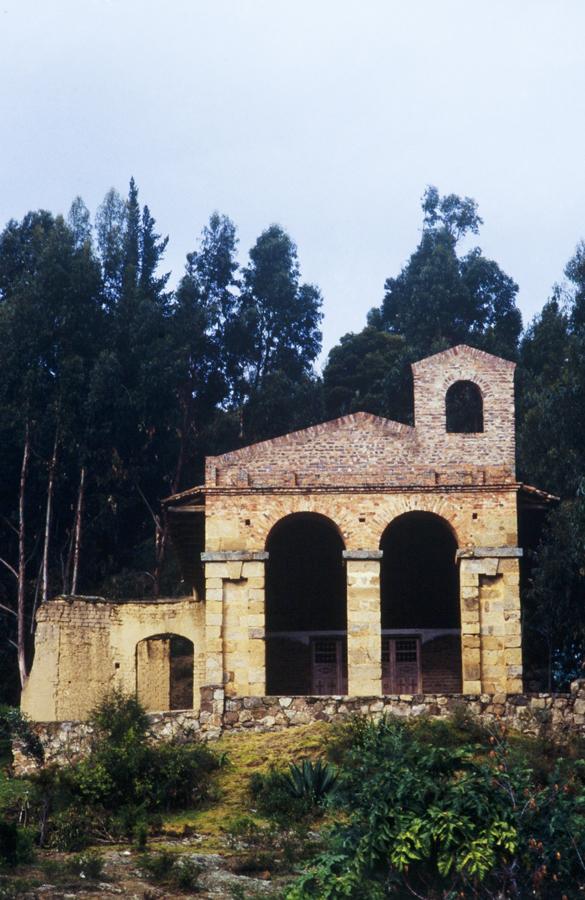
{"x":173,"y":870}
{"x":13,"y":724}
{"x":120,"y":720}
{"x":16,"y":844}
{"x":185,"y":874}
{"x":87,"y":865}
{"x":273,"y":799}
{"x":295,"y":794}
{"x":158,"y":865}
{"x":72,"y":829}
{"x":124,"y":769}
{"x":125,"y":779}
{"x":433,"y":820}
{"x":141,"y":836}
{"x":314,"y":781}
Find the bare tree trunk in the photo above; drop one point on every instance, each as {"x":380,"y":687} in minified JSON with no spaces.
{"x":161,"y":532}
{"x":77,"y":535}
{"x":48,"y":516}
{"x":21,"y":598}
{"x":36,"y":599}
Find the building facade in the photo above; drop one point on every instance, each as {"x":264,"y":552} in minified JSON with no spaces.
{"x":360,"y":556}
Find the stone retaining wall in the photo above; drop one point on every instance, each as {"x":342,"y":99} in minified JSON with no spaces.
{"x":561,"y":714}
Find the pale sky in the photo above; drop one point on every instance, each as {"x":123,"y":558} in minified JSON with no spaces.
{"x":327,"y":116}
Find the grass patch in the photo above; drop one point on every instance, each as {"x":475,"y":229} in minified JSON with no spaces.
{"x":247,"y":753}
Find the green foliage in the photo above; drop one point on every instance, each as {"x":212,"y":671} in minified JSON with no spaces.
{"x":87,"y":865}
{"x":120,"y":720}
{"x":126,"y":771}
{"x":295,"y":794}
{"x":72,"y":829}
{"x":449,"y":820}
{"x":124,"y":780}
{"x":172,"y":869}
{"x":554,"y":611}
{"x":278,"y":315}
{"x":440,"y":299}
{"x":16,"y":844}
{"x":272,"y":797}
{"x":311,"y":780}
{"x":13,"y":724}
{"x":141,"y":836}
{"x":367,"y":372}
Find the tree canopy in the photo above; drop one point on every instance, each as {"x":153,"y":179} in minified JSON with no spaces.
{"x":114,"y":386}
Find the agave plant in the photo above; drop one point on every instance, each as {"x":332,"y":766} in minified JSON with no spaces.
{"x":310,"y":780}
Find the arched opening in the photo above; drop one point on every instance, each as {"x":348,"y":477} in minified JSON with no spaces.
{"x":421,"y":618}
{"x":306,"y":617}
{"x":464,"y":408}
{"x":164,"y":672}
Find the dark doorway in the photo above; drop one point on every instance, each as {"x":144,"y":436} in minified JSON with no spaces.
{"x":306,"y":620}
{"x":420,"y":606}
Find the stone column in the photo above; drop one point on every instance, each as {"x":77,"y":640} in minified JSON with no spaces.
{"x":490,"y":620}
{"x":235,"y":621}
{"x":364,"y":641}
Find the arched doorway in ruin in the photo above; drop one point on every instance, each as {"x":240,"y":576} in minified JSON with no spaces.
{"x":420,"y":610}
{"x":164,"y":672}
{"x":306,"y":614}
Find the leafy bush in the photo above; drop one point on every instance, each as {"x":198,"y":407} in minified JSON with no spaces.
{"x":125,"y":769}
{"x":172,"y":869}
{"x":72,"y":829}
{"x":433,"y":819}
{"x":124,"y":780}
{"x":13,"y":724}
{"x":273,"y":799}
{"x":16,"y":844}
{"x":87,"y":865}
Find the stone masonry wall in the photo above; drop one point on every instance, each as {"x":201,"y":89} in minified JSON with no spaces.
{"x":484,"y":523}
{"x":433,"y":376}
{"x":481,"y":517}
{"x":562,"y":714}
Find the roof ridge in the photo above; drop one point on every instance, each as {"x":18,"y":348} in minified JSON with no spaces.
{"x":292,"y":437}
{"x":466,"y":350}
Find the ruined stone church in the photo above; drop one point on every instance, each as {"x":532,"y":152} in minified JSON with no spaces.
{"x":358,"y":557}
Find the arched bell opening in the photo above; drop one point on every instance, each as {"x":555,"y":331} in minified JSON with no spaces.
{"x":420,"y":609}
{"x":306,"y":609}
{"x":464,"y":408}
{"x":164,"y":672}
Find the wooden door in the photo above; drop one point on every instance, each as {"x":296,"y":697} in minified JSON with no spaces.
{"x":327,"y":666}
{"x":401,"y":665}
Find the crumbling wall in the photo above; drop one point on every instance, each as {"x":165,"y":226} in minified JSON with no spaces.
{"x":85,"y":647}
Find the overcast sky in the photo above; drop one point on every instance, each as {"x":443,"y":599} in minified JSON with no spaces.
{"x":327,"y":116}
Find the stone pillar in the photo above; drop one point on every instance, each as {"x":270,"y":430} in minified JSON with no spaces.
{"x":235,"y":621}
{"x":364,"y":641}
{"x":491,"y":647}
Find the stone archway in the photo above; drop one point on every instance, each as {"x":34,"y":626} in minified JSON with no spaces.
{"x":306,"y":610}
{"x":420,"y":607}
{"x":164,"y":672}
